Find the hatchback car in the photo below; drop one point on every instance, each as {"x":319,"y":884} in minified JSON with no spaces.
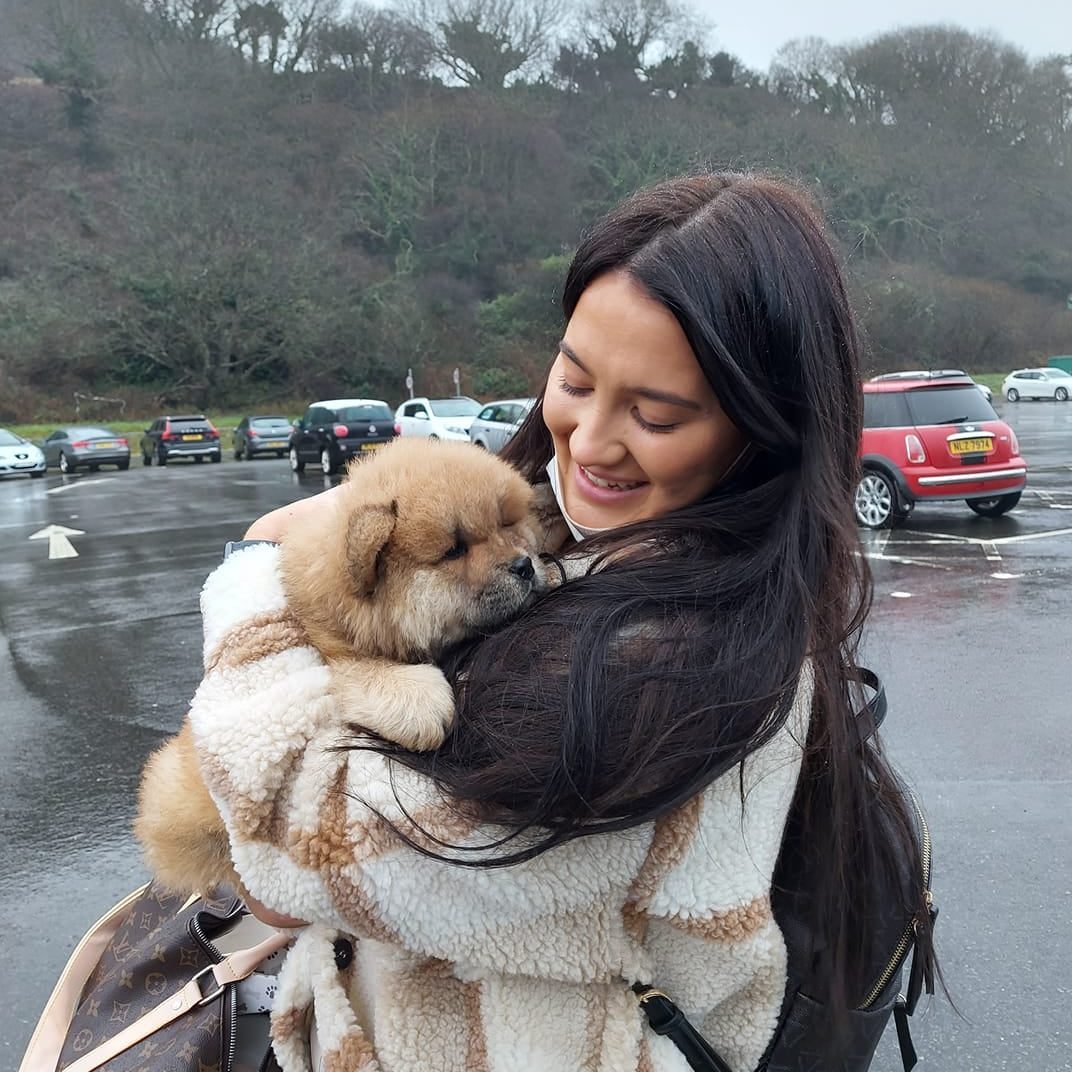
{"x":193,"y":436}
{"x":437,"y":418}
{"x":494,"y":426}
{"x":87,"y":445}
{"x":19,"y":457}
{"x":1038,"y":383}
{"x":337,"y":429}
{"x":932,"y":439}
{"x":261,"y":435}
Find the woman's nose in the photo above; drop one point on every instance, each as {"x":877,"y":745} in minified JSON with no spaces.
{"x":595,"y":441}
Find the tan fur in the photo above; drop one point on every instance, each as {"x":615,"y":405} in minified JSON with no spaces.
{"x":373,"y":588}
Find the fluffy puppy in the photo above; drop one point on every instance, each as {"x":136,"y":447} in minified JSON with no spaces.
{"x":429,"y":543}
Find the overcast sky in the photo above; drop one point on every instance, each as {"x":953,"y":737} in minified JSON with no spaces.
{"x":755,"y":31}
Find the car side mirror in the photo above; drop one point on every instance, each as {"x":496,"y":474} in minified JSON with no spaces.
{"x":422,"y":416}
{"x":297,"y":423}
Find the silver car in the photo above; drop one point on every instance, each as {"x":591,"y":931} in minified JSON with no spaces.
{"x":494,"y":426}
{"x":86,"y":445}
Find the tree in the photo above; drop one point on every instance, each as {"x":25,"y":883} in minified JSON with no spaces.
{"x":485,"y":43}
{"x":374,"y":44}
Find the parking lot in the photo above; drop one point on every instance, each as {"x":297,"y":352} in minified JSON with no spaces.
{"x":100,"y":650}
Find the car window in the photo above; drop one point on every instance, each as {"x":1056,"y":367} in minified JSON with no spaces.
{"x":949,"y":405}
{"x":365,"y":412}
{"x":267,"y":422}
{"x":1055,"y":374}
{"x":88,"y":432}
{"x":58,"y":434}
{"x":188,"y":422}
{"x":8,"y":439}
{"x":486,"y":414}
{"x":455,"y":407}
{"x":885,"y":410}
{"x":412,"y":409}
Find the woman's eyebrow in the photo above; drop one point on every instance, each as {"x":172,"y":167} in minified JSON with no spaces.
{"x":644,"y":392}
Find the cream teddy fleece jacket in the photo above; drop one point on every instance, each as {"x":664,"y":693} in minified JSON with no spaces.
{"x":516,"y":969}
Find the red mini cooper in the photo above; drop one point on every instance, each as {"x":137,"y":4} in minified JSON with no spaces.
{"x":929,"y":437}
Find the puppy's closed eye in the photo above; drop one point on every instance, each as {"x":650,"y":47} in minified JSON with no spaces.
{"x":459,"y":550}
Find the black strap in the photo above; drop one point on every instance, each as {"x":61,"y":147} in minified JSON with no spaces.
{"x":873,"y":713}
{"x":665,"y":1018}
{"x":904,"y":1035}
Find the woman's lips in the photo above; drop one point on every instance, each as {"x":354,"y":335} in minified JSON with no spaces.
{"x":603,"y":496}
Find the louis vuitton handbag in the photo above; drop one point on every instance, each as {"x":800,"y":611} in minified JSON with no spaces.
{"x":164,"y":984}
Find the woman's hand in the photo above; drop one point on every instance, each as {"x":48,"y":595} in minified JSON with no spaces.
{"x":267,"y":916}
{"x":274,"y":525}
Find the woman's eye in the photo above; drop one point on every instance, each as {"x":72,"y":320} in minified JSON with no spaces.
{"x":569,"y":389}
{"x":458,"y":550}
{"x":650,"y":426}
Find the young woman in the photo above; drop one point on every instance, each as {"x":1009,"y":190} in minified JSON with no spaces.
{"x":657,"y":776}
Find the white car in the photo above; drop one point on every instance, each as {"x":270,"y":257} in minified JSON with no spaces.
{"x":437,"y":418}
{"x":19,"y":457}
{"x":1038,"y":383}
{"x":496,"y":424}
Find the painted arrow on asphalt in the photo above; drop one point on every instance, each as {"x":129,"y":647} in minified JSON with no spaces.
{"x":58,"y":544}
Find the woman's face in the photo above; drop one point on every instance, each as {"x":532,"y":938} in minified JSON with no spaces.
{"x":638,"y":431}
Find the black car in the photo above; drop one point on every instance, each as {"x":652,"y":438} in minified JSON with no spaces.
{"x":261,"y":435}
{"x":337,"y":429}
{"x":191,"y":436}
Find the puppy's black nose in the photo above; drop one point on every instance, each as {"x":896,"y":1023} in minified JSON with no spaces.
{"x":522,"y":567}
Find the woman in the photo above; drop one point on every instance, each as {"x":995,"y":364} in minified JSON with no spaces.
{"x":656,"y":775}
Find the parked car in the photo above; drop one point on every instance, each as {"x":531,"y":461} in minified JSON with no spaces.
{"x":89,"y":445}
{"x":337,"y":429}
{"x":494,"y":426}
{"x":1038,"y":383}
{"x":261,"y":435}
{"x":19,"y":457}
{"x":931,"y":439}
{"x":192,"y":436}
{"x":934,"y":374}
{"x":437,"y":418}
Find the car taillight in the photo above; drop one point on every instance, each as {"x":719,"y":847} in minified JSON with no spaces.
{"x":341,"y":431}
{"x":398,"y":428}
{"x":80,"y":443}
{"x":914,"y":449}
{"x":122,"y":441}
{"x":253,"y":432}
{"x":212,"y":428}
{"x":1014,"y":443}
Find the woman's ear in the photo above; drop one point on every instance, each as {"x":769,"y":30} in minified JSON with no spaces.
{"x":367,"y":537}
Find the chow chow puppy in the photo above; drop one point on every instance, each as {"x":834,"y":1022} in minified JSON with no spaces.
{"x":429,"y":543}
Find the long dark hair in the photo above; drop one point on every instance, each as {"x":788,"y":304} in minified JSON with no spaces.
{"x":565,"y":727}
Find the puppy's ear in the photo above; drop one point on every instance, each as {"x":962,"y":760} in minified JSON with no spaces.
{"x":370,"y":528}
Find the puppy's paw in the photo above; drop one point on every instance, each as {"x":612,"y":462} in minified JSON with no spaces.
{"x":412,"y":705}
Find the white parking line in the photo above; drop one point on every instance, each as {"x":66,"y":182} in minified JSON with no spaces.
{"x":990,"y":550}
{"x":88,"y":483}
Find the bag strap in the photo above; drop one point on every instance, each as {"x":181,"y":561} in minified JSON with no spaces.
{"x":665,"y":1018}
{"x":231,"y":969}
{"x":46,"y":1043}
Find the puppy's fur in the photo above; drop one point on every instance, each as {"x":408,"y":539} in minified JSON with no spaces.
{"x":429,"y":543}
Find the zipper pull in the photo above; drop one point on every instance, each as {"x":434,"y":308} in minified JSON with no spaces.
{"x":921,"y":974}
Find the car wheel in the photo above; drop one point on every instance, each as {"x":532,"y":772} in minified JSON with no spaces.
{"x":238,"y":452}
{"x":876,"y":503}
{"x":161,"y":457}
{"x":1002,"y":504}
{"x":66,"y":465}
{"x":480,"y":443}
{"x":94,"y":468}
{"x":123,"y":465}
{"x":216,"y":458}
{"x":1012,"y":394}
{"x":279,"y":454}
{"x":296,"y":464}
{"x":1061,"y":394}
{"x":327,"y":465}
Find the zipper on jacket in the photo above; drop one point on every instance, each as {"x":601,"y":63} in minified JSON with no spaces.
{"x":229,"y":1012}
{"x":904,"y":943}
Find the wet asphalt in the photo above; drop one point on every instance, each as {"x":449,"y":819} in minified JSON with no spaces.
{"x":971,"y":632}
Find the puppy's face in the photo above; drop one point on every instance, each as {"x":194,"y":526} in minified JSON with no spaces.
{"x":450,"y":553}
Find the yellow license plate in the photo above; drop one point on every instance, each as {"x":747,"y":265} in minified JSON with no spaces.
{"x":371,"y":446}
{"x":193,"y":437}
{"x":104,"y":446}
{"x":982,"y":445}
